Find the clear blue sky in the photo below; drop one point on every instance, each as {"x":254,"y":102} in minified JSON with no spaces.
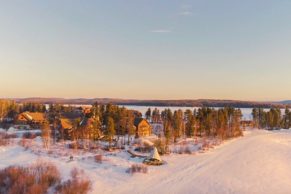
{"x":146,"y":49}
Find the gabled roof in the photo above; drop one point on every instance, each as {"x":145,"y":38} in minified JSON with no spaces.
{"x":155,"y":155}
{"x":137,"y":121}
{"x":71,"y":115}
{"x":33,"y":116}
{"x":66,"y":123}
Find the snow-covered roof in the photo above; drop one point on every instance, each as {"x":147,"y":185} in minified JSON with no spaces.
{"x":28,"y":116}
{"x":66,"y":123}
{"x":155,"y":155}
{"x":36,"y":116}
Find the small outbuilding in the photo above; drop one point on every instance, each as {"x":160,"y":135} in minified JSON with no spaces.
{"x":154,"y":158}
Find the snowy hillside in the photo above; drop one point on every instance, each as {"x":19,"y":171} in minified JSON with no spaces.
{"x":259,"y":162}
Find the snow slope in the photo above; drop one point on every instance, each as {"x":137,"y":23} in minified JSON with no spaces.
{"x":259,"y":162}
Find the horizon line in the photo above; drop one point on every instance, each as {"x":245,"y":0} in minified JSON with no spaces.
{"x":138,"y":99}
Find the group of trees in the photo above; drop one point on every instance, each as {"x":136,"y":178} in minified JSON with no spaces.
{"x":223,"y":123}
{"x":7,"y":108}
{"x":10,"y":109}
{"x":32,"y":107}
{"x":114,"y":120}
{"x":153,"y":116}
{"x":271,"y":119}
{"x":104,"y":121}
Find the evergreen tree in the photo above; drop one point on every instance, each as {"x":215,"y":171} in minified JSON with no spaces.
{"x":178,"y":124}
{"x":262,"y":118}
{"x":110,"y":127}
{"x":130,"y":127}
{"x":190,"y":124}
{"x":167,"y":117}
{"x":286,"y":121}
{"x":46,"y":134}
{"x":255,"y":114}
{"x":148,"y":114}
{"x":95,"y":131}
{"x":156,"y":115}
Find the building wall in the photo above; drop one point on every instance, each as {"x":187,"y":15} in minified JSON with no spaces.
{"x":144,"y":129}
{"x":21,"y":119}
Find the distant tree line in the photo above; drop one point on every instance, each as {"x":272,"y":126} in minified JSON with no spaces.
{"x":271,"y":119}
{"x":32,"y":107}
{"x":181,"y":103}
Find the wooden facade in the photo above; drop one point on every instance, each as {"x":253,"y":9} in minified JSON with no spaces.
{"x":65,"y":128}
{"x":143,"y":128}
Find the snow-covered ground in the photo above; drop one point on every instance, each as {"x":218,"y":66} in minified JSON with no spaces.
{"x":259,"y":162}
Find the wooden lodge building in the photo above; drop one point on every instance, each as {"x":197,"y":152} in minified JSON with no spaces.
{"x":34,"y":119}
{"x":143,"y":127}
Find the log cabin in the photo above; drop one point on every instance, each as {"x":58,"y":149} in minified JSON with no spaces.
{"x":143,"y":127}
{"x":34,"y":119}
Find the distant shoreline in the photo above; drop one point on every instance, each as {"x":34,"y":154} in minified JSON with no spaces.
{"x":158,"y":103}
